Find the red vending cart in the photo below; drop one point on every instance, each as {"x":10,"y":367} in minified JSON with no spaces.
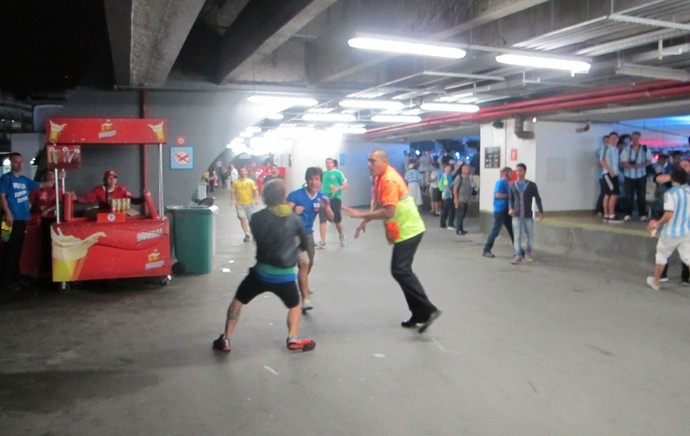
{"x":113,"y":244}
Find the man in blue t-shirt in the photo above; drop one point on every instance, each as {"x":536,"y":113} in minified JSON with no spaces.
{"x":307,"y":202}
{"x":501,"y":216}
{"x":14,"y":198}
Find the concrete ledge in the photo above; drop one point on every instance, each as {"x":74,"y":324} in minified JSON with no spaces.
{"x":584,"y":235}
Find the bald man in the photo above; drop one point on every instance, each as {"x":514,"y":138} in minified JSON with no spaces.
{"x":404,"y":229}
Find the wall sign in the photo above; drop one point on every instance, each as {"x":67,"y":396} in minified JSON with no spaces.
{"x":181,"y":158}
{"x":492,"y":157}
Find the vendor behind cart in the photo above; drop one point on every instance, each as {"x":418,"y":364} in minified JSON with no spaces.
{"x":108,"y":191}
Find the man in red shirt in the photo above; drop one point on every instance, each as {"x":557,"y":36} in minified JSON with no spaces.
{"x":108,"y":191}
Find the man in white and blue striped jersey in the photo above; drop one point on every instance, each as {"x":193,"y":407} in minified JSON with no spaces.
{"x":635,"y":158}
{"x":674,"y":225}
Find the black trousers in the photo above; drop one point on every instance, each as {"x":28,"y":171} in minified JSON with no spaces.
{"x":636,"y":187}
{"x":401,"y":268}
{"x":447,"y":213}
{"x":11,"y":252}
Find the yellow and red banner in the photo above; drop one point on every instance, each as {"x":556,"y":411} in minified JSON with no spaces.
{"x":106,"y":130}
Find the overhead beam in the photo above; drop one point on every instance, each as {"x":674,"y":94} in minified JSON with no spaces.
{"x":262,"y":27}
{"x":146,"y":37}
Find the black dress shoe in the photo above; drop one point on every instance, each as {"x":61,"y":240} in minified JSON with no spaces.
{"x":425,"y":325}
{"x":410,"y":323}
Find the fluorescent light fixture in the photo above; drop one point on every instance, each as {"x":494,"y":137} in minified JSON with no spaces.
{"x":450,"y":107}
{"x":407,"y":47}
{"x":372,"y":104}
{"x":343,"y":118}
{"x":552,"y":63}
{"x":653,"y":72}
{"x":275,"y":116}
{"x":253,"y":129}
{"x":349,"y":129}
{"x":396,"y":119}
{"x":282,"y":100}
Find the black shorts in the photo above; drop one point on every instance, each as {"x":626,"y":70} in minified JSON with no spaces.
{"x":436,"y":194}
{"x":610,"y":185}
{"x":252,"y":286}
{"x":336,"y":205}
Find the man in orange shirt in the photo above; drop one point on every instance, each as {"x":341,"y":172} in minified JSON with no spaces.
{"x":404,"y":229}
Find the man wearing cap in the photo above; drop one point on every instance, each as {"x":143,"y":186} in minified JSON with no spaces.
{"x":109,"y":190}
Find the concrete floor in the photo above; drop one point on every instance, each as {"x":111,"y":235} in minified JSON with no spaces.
{"x":561,"y":346}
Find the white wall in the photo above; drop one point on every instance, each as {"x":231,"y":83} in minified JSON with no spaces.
{"x":313,"y":150}
{"x":560,"y":160}
{"x":566,"y":165}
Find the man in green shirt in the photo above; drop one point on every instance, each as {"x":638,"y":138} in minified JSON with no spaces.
{"x":334,"y":182}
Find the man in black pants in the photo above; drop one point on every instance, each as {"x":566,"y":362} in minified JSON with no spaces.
{"x":404,"y":229}
{"x":14,"y":199}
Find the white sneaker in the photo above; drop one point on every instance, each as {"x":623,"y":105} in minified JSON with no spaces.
{"x":306,"y":305}
{"x":343,"y":242}
{"x":663,"y":280}
{"x":321,"y":244}
{"x":627,"y":218}
{"x":528,"y":258}
{"x":651,"y":284}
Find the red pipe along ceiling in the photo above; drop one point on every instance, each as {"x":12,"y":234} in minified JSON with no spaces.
{"x":598,"y":98}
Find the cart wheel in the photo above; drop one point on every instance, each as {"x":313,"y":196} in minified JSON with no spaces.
{"x":63,"y":286}
{"x":163,"y":281}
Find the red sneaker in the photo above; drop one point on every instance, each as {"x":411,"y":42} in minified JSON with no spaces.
{"x":300,"y":344}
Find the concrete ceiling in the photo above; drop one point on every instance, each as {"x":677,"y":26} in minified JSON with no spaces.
{"x":299,"y":47}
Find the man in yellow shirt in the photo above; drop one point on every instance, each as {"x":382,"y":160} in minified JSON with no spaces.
{"x":244,"y":195}
{"x":404,"y":229}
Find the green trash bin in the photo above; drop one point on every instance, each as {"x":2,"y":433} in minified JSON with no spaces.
{"x":194,"y":237}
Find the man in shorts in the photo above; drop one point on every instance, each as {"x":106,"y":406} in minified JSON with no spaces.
{"x":334,"y":182}
{"x":307,"y":202}
{"x":674,"y":225}
{"x":244,"y":195}
{"x":610,"y":185}
{"x":275,"y":229}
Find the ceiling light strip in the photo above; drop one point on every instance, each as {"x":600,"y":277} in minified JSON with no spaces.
{"x":406,"y":47}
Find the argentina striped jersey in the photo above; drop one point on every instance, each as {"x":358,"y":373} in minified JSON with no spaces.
{"x":677,"y":200}
{"x":639,"y":156}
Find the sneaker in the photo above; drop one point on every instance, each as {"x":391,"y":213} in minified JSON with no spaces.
{"x":627,"y":218}
{"x":643,"y":219}
{"x":488,"y":254}
{"x":528,"y":258}
{"x":322,"y":244}
{"x":297,"y":344}
{"x":410,"y":323}
{"x":663,"y":280}
{"x":247,"y":238}
{"x":222,"y":344}
{"x":451,"y":228}
{"x":686,"y":284}
{"x":614,"y":220}
{"x":306,"y":305}
{"x":425,"y":325}
{"x":343,"y":242}
{"x":651,"y":284}
{"x":516,"y":260}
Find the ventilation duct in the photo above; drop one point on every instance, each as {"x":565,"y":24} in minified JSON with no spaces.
{"x":524,"y":129}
